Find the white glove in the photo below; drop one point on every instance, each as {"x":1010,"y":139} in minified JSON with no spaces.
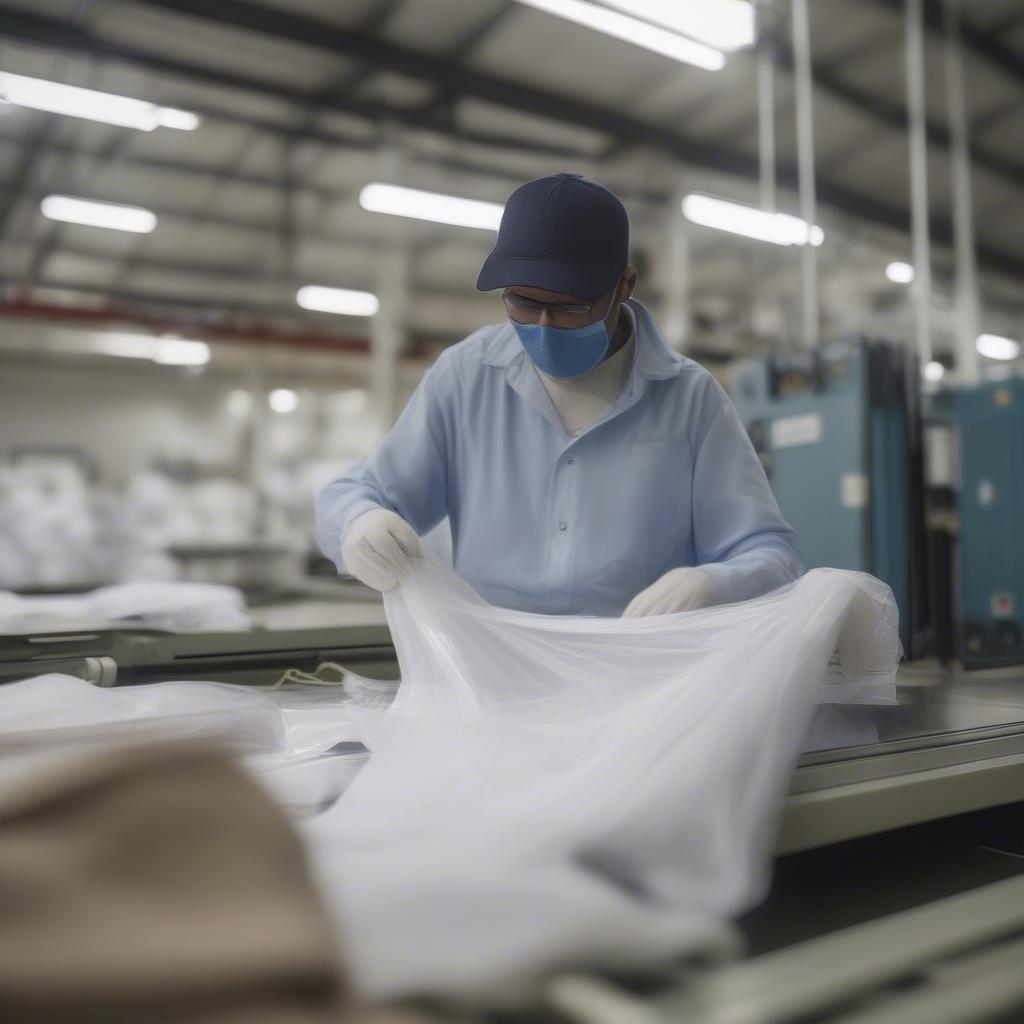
{"x":380,"y":549}
{"x":679,"y":590}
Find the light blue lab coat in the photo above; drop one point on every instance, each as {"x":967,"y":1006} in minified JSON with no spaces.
{"x":550,"y":522}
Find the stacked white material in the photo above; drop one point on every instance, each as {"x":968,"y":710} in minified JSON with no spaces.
{"x":48,"y":532}
{"x":233,"y":534}
{"x":56,"y":531}
{"x":172,"y":606}
{"x":158,"y":513}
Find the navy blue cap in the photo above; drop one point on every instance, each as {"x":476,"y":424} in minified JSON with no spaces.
{"x":563,"y":233}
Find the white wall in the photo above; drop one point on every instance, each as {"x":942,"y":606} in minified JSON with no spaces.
{"x":126,"y":415}
{"x":122,"y":417}
{"x":56,"y":390}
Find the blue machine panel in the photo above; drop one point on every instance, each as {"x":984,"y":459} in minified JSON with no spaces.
{"x":990,"y":426}
{"x":812,"y":441}
{"x":832,"y":431}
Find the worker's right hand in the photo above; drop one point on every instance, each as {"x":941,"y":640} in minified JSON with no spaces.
{"x":380,"y":549}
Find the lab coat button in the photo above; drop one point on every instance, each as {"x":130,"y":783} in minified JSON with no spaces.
{"x":563,"y":527}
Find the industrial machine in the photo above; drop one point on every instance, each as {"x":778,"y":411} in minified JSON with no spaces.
{"x":898,"y":890}
{"x":989,"y":422}
{"x":942,"y":519}
{"x":838,"y":432}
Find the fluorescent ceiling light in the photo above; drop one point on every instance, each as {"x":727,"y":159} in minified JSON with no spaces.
{"x":99,"y":215}
{"x":723,"y":24}
{"x":166,"y":351}
{"x":633,"y":30}
{"x":181,"y":352}
{"x":900,"y":273}
{"x":992,"y":346}
{"x":934,"y":371}
{"x":433,"y":206}
{"x":128,"y":346}
{"x":172,"y":117}
{"x":337,"y":300}
{"x":107,"y":107}
{"x":778,"y":228}
{"x":283,"y":400}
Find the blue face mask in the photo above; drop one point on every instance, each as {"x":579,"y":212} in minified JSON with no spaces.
{"x":564,"y":352}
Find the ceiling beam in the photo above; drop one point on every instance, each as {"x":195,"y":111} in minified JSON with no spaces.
{"x":352,"y":80}
{"x":453,"y":79}
{"x":895,"y":115}
{"x":878,"y":108}
{"x":320,"y":137}
{"x":991,"y":258}
{"x":282,"y":24}
{"x":199,"y":218}
{"x":345,"y":84}
{"x":302,"y":30}
{"x":229,"y":275}
{"x":116,"y":143}
{"x":170,"y":165}
{"x":641,"y":201}
{"x":983,"y":43}
{"x":41,"y":130}
{"x":463,"y":48}
{"x":1007,"y":23}
{"x":32,"y":146}
{"x":52,"y":32}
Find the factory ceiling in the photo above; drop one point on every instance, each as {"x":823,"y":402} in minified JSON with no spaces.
{"x":302,"y":103}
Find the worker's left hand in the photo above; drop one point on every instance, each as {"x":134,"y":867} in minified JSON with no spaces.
{"x":679,"y":590}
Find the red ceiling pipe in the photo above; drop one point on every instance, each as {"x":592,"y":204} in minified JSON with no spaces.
{"x":113,"y":317}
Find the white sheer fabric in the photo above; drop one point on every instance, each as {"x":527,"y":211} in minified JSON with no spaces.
{"x":543,"y":792}
{"x":550,"y":791}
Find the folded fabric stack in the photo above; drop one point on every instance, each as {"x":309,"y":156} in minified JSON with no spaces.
{"x":171,"y":606}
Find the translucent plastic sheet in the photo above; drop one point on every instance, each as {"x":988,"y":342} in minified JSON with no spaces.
{"x":551,"y":792}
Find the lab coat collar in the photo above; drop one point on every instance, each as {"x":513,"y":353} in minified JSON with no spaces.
{"x":654,"y":359}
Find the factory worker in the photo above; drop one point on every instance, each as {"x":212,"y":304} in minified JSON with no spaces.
{"x":584,"y":467}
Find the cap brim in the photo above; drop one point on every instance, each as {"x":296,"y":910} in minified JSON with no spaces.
{"x":580,"y":280}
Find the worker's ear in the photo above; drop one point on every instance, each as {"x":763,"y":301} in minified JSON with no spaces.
{"x":623,"y":290}
{"x":627,"y":283}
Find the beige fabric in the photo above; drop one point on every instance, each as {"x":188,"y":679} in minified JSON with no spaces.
{"x":157,"y":886}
